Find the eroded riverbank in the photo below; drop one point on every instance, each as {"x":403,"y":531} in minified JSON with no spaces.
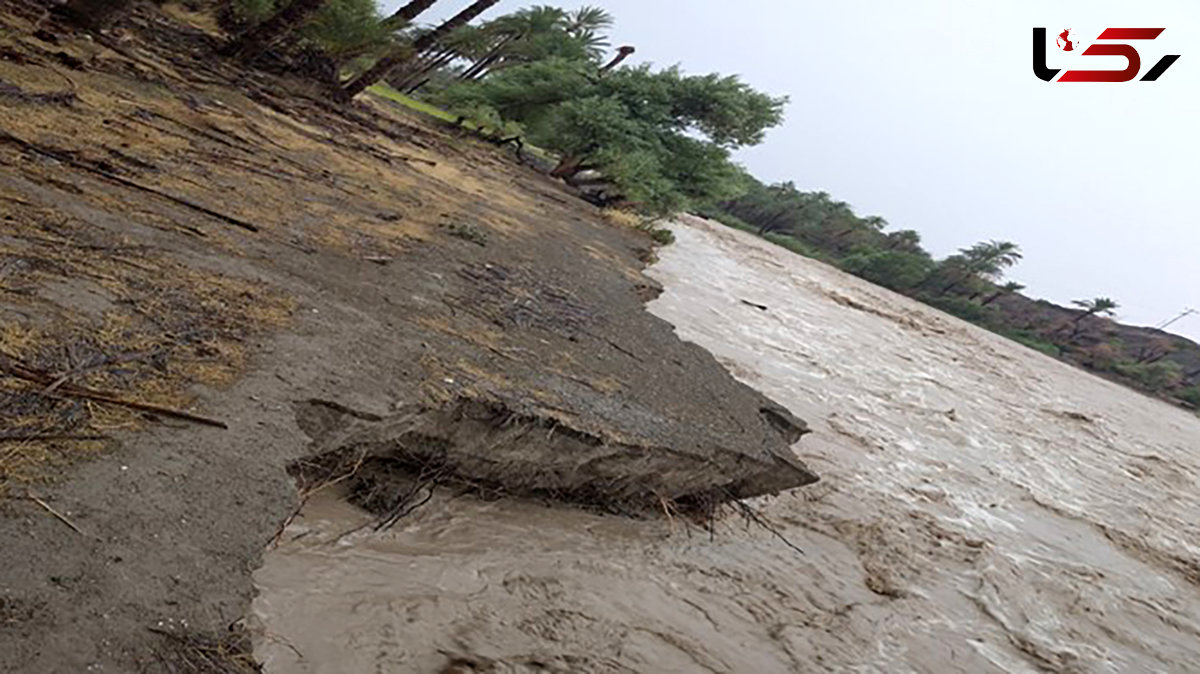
{"x":197,"y":259}
{"x":982,"y":508}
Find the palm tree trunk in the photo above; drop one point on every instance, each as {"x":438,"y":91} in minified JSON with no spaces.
{"x":251,"y":44}
{"x":479,"y":68}
{"x":400,"y":55}
{"x":93,"y":14}
{"x":413,"y":89}
{"x":417,"y":74}
{"x":991,"y":298}
{"x":408,"y":12}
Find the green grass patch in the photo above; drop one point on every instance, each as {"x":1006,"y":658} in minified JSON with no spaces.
{"x":384,"y":90}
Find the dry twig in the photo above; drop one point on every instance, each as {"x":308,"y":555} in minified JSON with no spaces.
{"x":68,"y":159}
{"x":62,"y":518}
{"x":73,"y":391}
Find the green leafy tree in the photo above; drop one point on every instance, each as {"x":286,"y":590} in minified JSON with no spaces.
{"x":661,"y":138}
{"x":906,"y":240}
{"x":528,"y":94}
{"x":898,"y":270}
{"x":769,"y":208}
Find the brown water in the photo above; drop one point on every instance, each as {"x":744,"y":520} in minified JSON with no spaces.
{"x":982,"y":508}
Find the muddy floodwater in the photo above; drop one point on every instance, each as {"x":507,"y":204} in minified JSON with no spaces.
{"x":982,"y":508}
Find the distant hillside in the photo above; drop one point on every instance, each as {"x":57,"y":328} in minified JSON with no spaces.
{"x":1108,"y":347}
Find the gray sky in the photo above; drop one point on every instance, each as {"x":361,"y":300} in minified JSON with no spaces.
{"x":928,"y":114}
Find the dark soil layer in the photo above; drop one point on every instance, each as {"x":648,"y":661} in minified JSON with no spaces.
{"x":177,"y":232}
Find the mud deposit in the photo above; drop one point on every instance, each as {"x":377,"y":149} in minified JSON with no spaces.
{"x":982,"y":508}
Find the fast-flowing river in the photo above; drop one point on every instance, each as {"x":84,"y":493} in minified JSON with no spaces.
{"x":982,"y":508}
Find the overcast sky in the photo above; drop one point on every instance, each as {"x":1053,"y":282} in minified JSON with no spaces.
{"x":928,"y":113}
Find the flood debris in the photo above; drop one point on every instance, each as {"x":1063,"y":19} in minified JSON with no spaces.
{"x":103,"y":172}
{"x":190,"y":652}
{"x":12,"y":93}
{"x":496,"y":447}
{"x":57,"y":387}
{"x":756,"y":305}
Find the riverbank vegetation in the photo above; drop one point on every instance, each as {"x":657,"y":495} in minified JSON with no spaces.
{"x":655,"y":141}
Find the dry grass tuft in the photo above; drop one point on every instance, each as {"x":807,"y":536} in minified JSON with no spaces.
{"x":127,"y":319}
{"x":622,"y":218}
{"x":190,"y":652}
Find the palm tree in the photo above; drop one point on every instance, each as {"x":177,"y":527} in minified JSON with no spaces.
{"x":402,"y":54}
{"x":589,"y":18}
{"x":1006,"y":289}
{"x":490,"y":44}
{"x":990,"y":258}
{"x":539,"y":32}
{"x":987,"y":259}
{"x":1101,"y":306}
{"x":586,"y":25}
{"x":466,"y":42}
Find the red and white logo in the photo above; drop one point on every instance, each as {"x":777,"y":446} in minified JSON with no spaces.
{"x":1110,"y":42}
